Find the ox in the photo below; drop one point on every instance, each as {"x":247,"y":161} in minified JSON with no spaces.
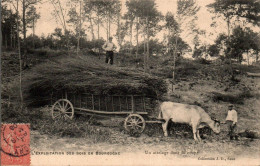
{"x":193,"y":115}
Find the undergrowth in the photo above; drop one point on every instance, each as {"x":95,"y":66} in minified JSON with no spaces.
{"x":46,"y":125}
{"x":235,"y":99}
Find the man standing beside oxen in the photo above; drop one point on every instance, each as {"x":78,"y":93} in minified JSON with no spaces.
{"x":231,"y":121}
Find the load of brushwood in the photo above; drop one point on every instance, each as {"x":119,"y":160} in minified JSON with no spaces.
{"x":87,"y":74}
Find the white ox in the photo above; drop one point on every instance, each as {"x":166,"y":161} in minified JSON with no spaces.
{"x":193,"y":115}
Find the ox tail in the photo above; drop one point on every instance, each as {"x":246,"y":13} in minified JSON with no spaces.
{"x":159,"y":108}
{"x":160,"y":116}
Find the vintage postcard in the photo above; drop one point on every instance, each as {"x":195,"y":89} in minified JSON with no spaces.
{"x":130,"y":82}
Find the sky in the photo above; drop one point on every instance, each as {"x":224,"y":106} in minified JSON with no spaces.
{"x":47,"y":23}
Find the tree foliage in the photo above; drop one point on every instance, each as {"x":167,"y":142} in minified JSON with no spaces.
{"x":148,"y":13}
{"x":243,"y":40}
{"x":171,"y":22}
{"x":213,"y":50}
{"x":248,"y":9}
{"x":9,"y":28}
{"x":32,"y":17}
{"x":181,"y":45}
{"x":187,"y":8}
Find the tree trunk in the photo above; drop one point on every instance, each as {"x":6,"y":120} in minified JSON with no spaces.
{"x":148,"y":48}
{"x":144,"y":53}
{"x":24,"y":36}
{"x":14,"y":40}
{"x":11,"y":37}
{"x":144,"y":45}
{"x":109,"y":21}
{"x":247,"y":58}
{"x":256,"y":56}
{"x":6,"y":44}
{"x":79,"y":33}
{"x":1,"y":42}
{"x":19,"y":52}
{"x":228,"y":26}
{"x":24,"y":23}
{"x":174,"y":58}
{"x":168,"y":44}
{"x":119,"y":30}
{"x":67,"y":41}
{"x":229,"y":56}
{"x":33,"y":34}
{"x":98,"y":26}
{"x":98,"y":34}
{"x":131,"y":37}
{"x":107,"y":25}
{"x":92,"y":28}
{"x":137,"y":35}
{"x":175,"y":52}
{"x":64,"y":26}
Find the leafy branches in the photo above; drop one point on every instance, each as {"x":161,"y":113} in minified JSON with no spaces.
{"x":250,"y":10}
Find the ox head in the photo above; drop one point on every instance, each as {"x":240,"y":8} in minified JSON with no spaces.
{"x":216,"y":125}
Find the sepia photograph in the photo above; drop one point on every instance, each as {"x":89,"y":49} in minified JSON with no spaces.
{"x":130,"y":82}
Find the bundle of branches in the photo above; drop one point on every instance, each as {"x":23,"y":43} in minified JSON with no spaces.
{"x":87,"y":75}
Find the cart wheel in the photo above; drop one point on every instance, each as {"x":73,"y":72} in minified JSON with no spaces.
{"x":62,"y":109}
{"x":134,"y":123}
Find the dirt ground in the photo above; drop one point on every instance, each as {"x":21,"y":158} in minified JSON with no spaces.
{"x":245,"y":148}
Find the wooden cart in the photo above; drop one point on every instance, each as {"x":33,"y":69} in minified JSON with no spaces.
{"x":136,"y":109}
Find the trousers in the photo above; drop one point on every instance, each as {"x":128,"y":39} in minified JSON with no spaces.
{"x":232,"y":129}
{"x":110,"y":56}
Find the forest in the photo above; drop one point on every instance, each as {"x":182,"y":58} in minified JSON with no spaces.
{"x":81,"y":23}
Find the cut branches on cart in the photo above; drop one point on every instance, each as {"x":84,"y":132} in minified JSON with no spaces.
{"x":85,"y":75}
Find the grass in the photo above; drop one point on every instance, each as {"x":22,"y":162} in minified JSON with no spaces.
{"x":235,"y":99}
{"x":41,"y":120}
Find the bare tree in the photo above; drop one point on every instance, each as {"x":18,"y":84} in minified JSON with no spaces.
{"x":32,"y":17}
{"x":121,"y":30}
{"x":19,"y":51}
{"x":60,"y":17}
{"x":186,"y":9}
{"x":76,"y":19}
{"x":26,"y":4}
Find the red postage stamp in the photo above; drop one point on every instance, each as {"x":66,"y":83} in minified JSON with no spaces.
{"x":15,"y":144}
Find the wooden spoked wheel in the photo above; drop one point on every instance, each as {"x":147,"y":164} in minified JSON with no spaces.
{"x":62,"y":109}
{"x":134,"y":123}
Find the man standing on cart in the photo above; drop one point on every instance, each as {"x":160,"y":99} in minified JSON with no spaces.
{"x":109,"y":48}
